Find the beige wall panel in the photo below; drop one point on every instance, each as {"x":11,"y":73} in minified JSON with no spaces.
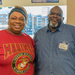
{"x":28,"y":3}
{"x":71,"y":12}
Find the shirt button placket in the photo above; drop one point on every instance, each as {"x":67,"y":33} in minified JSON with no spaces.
{"x":51,"y":48}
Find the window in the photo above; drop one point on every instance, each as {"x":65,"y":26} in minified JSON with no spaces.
{"x":37,"y":17}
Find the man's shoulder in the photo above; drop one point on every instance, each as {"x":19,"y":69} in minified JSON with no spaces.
{"x":42,"y":29}
{"x":40,"y":33}
{"x":69,"y":26}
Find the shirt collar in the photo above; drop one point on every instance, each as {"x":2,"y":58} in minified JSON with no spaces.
{"x":59,"y":29}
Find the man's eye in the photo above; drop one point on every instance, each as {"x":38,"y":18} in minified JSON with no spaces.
{"x":56,"y":14}
{"x":59,"y":15}
{"x":52,"y":14}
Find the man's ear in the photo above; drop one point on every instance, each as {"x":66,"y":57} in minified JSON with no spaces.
{"x":63,"y":18}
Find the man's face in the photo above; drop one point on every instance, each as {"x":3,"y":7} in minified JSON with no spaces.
{"x":16,"y":22}
{"x":55,"y":17}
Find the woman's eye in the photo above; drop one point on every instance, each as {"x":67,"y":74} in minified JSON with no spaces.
{"x":22,"y":19}
{"x":13,"y":18}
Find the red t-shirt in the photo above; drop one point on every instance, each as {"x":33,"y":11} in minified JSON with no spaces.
{"x":16,"y":54}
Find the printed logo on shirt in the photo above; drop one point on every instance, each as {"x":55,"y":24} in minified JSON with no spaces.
{"x":21,"y":63}
{"x":12,"y":48}
{"x":63,"y":45}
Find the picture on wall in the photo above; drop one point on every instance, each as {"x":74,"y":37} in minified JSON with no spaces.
{"x":45,"y":1}
{"x":0,"y":2}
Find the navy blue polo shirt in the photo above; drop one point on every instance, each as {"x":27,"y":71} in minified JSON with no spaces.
{"x":55,"y":51}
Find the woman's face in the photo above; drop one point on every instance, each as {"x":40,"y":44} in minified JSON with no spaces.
{"x":16,"y":22}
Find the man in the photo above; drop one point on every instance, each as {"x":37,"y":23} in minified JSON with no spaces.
{"x":55,"y":46}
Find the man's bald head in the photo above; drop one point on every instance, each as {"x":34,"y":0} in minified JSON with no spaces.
{"x":55,"y":17}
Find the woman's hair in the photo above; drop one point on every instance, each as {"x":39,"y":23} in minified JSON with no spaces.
{"x":21,"y":10}
{"x":24,"y":11}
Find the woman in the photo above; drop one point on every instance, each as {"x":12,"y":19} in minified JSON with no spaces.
{"x":16,"y":49}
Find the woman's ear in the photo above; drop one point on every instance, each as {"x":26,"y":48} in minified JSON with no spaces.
{"x":8,"y":22}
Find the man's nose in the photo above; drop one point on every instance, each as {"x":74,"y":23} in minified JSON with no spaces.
{"x":55,"y":15}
